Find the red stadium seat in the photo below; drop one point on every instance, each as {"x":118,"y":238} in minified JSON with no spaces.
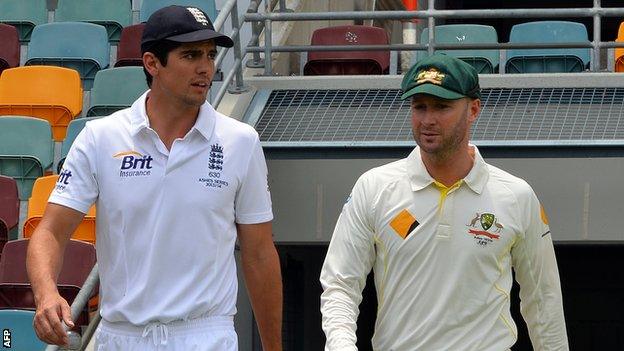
{"x":15,"y":290}
{"x":4,"y":234}
{"x":348,"y":62}
{"x":129,"y":50}
{"x":9,"y":198}
{"x":9,"y":47}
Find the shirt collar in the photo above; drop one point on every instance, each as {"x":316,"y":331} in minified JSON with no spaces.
{"x":204,"y":124}
{"x":420,"y":178}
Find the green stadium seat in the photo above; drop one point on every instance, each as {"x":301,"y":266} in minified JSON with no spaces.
{"x":115,"y":89}
{"x":47,"y":92}
{"x":26,"y":150}
{"x":20,"y":325}
{"x":112,"y":14}
{"x":62,"y":44}
{"x":548,"y":60}
{"x":484,"y":61}
{"x":74,"y":128}
{"x":150,"y":6}
{"x":24,"y":15}
{"x":9,"y":47}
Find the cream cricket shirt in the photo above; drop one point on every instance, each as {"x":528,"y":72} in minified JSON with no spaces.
{"x":443,"y":261}
{"x":166,"y":219}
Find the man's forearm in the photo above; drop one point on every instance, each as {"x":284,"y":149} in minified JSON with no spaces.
{"x":264,"y":283}
{"x":43,"y":262}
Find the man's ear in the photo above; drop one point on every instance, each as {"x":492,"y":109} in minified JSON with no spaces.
{"x":151,"y":63}
{"x":474,"y":107}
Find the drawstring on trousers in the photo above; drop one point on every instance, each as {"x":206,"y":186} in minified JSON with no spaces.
{"x":159,"y":331}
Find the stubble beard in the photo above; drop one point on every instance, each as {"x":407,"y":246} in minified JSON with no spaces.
{"x":451,"y":142}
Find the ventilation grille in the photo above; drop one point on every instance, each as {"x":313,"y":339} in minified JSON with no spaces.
{"x":508,"y":115}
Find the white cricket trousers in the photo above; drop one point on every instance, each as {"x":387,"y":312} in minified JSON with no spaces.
{"x":215,"y":333}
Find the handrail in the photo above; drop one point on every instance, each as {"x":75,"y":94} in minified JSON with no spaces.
{"x":230,"y":9}
{"x":431,"y":14}
{"x":403,"y":47}
{"x":81,"y":300}
{"x":422,"y":14}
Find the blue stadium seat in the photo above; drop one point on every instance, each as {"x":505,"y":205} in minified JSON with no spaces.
{"x":74,"y":128}
{"x":26,"y":150}
{"x":150,"y":6}
{"x":24,"y":15}
{"x":19,"y":323}
{"x":548,"y":60}
{"x":115,"y":89}
{"x":63,"y":44}
{"x":112,"y":14}
{"x":484,"y":61}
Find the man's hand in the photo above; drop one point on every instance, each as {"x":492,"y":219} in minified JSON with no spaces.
{"x":51,"y":311}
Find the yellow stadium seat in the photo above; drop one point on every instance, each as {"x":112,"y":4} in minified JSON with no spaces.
{"x":46,"y":92}
{"x":36,"y":205}
{"x":619,"y":52}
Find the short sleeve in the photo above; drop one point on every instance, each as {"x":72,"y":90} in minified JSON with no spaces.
{"x":77,"y":186}
{"x":253,"y":199}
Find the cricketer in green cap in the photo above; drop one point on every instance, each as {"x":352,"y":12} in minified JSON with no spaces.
{"x":443,"y":76}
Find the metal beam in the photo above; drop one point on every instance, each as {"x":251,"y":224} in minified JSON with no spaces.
{"x":404,"y":15}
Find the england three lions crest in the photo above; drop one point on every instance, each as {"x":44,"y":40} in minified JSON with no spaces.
{"x":215,"y":162}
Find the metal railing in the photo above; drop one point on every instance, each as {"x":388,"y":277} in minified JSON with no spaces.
{"x":431,"y":14}
{"x":77,"y":307}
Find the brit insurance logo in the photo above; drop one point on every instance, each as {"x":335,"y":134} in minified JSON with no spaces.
{"x":134,"y":164}
{"x":63,"y":180}
{"x":489,"y":231}
{"x":215,"y":168}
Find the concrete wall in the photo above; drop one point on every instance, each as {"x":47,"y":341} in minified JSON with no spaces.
{"x":581,"y":195}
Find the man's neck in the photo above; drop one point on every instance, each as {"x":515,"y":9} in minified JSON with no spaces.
{"x":450,"y":168}
{"x":170,"y":121}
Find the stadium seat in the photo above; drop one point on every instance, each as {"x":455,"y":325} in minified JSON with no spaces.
{"x":129,"y":49}
{"x":9,"y":47}
{"x":4,"y":234}
{"x":62,"y":44}
{"x":150,"y":6}
{"x":26,"y":150}
{"x":548,"y":60}
{"x":15,"y":291}
{"x":36,"y":206}
{"x":10,"y":208}
{"x":47,"y":92}
{"x":115,"y":89}
{"x":24,"y":15}
{"x":348,"y":62}
{"x":20,"y":324}
{"x":484,"y":61}
{"x":79,"y":259}
{"x":73,"y":130}
{"x":112,"y":14}
{"x":619,"y":52}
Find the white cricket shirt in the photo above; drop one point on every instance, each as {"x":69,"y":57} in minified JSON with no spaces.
{"x":443,"y":261}
{"x":166,"y":219}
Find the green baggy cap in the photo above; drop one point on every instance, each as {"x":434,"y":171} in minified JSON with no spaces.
{"x":443,"y":76}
